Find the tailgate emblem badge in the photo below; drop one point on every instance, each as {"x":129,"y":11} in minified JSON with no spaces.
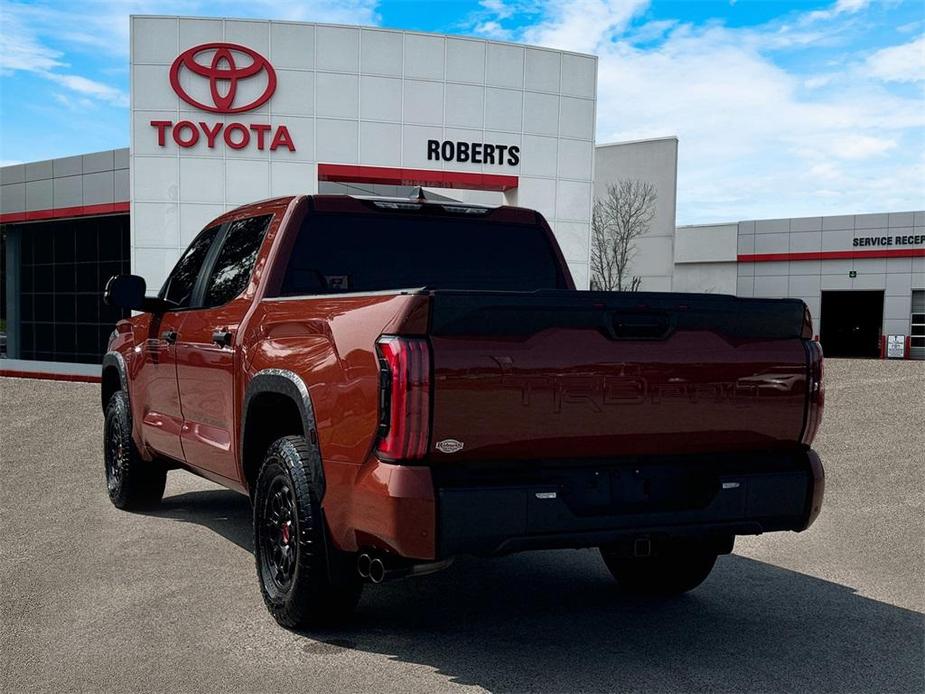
{"x":449,"y":446}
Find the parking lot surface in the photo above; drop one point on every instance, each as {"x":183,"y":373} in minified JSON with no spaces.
{"x":96,"y":599}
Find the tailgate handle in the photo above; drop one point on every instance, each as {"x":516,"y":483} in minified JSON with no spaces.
{"x":637,"y":326}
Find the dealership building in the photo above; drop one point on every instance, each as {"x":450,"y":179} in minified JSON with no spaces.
{"x":226,"y":112}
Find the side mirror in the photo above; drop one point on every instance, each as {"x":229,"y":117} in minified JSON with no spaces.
{"x":128,"y":291}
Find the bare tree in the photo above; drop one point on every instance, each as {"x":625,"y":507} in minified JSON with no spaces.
{"x":624,"y":214}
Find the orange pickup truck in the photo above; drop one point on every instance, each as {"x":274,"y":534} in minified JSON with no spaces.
{"x":398,"y":382}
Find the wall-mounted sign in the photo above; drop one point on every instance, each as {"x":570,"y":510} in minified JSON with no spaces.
{"x":897,"y":240}
{"x":216,"y":66}
{"x":473,"y":152}
{"x":852,"y":273}
{"x":896,"y":346}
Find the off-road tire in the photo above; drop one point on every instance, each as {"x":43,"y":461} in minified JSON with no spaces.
{"x":305,"y":582}
{"x":673,"y":571}
{"x":132,"y":483}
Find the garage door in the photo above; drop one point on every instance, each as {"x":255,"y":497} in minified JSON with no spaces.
{"x":918,"y":324}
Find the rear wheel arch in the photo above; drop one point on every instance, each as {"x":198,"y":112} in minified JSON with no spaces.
{"x":276,"y":404}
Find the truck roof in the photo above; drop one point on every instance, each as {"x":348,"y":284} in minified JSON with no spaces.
{"x":368,"y":203}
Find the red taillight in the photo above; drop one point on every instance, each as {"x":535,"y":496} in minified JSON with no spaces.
{"x":816,"y":392}
{"x":404,"y":400}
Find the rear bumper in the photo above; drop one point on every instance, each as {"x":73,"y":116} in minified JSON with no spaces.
{"x":585,"y":506}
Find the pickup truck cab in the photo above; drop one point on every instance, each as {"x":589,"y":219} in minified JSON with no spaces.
{"x":398,"y":382}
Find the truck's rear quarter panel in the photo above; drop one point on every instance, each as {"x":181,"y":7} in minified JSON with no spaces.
{"x":329,"y":342}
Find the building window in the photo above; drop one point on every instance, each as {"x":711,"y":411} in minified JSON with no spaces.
{"x":64,"y":267}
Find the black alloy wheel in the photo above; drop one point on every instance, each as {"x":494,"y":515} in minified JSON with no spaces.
{"x":280,"y":530}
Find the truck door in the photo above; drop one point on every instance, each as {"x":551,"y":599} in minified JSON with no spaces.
{"x":207,"y":353}
{"x":155,"y":384}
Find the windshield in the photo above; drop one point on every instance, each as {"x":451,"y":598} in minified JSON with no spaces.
{"x":359,"y":253}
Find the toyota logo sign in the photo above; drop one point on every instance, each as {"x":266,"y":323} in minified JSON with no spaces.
{"x":223,"y":74}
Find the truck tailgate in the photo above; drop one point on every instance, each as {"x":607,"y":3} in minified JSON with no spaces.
{"x":564,"y":374}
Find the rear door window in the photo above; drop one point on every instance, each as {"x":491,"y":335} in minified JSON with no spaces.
{"x":235,"y":262}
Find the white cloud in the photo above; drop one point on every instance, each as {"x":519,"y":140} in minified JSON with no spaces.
{"x":580,"y":25}
{"x":492,"y":29}
{"x":903,"y":63}
{"x":498,"y":8}
{"x":20,"y":49}
{"x":89,"y":88}
{"x":840,"y":7}
{"x":45,"y":40}
{"x":756,"y":139}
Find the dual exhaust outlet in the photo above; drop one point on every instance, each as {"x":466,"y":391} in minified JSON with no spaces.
{"x":375,"y":568}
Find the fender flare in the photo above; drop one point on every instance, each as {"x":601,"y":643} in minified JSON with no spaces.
{"x":290,"y":385}
{"x":117,"y":361}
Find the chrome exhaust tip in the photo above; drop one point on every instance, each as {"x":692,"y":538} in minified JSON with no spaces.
{"x":363,"y":565}
{"x":376,"y":570}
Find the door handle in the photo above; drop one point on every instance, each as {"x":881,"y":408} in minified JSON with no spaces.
{"x":222,"y":338}
{"x":638,"y":326}
{"x":169,"y":336}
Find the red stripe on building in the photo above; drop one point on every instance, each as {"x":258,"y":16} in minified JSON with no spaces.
{"x":833,"y":255}
{"x":345,"y":173}
{"x":49,"y":376}
{"x":65,"y":212}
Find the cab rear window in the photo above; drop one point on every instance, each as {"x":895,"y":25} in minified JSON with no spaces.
{"x":359,"y":253}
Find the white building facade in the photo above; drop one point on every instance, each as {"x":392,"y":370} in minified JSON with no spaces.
{"x":225,"y":112}
{"x":862,"y":276}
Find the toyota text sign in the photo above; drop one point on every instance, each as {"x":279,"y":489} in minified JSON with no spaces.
{"x":223,"y":78}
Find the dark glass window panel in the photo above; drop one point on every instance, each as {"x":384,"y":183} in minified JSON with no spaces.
{"x":86,"y":250}
{"x":179,"y":285}
{"x":918,"y":317}
{"x":918,"y":341}
{"x":25,"y":246}
{"x":368,"y":253}
{"x":43,"y":245}
{"x":235,"y":261}
{"x":918,"y":329}
{"x":26,"y":283}
{"x":110,"y":242}
{"x":43,"y":278}
{"x":88,"y":278}
{"x":27,"y":336}
{"x":44,"y":307}
{"x":26,"y":302}
{"x":45,"y":356}
{"x":88,"y":308}
{"x":64,"y":308}
{"x":88,"y":339}
{"x":65,"y":280}
{"x":87,"y":358}
{"x":64,"y":244}
{"x":65,"y":337}
{"x":44,"y":337}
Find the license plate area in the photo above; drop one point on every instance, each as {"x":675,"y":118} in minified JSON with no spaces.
{"x":639,"y":489}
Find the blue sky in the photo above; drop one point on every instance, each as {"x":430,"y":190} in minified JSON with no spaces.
{"x":781,"y":108}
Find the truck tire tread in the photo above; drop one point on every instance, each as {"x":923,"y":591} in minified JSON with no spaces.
{"x":314,"y":597}
{"x":139,"y":483}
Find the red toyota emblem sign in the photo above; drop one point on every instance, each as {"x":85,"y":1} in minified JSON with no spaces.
{"x":223,"y":73}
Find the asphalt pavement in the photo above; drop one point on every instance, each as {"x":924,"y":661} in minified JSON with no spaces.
{"x":96,"y":599}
